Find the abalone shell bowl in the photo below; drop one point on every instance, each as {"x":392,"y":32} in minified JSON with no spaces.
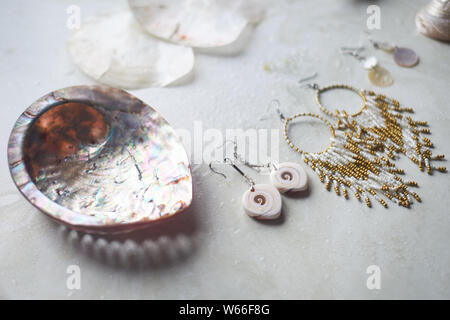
{"x":99,"y":160}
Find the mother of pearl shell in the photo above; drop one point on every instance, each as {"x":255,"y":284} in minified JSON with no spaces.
{"x":405,"y":57}
{"x":434,"y":20}
{"x":289,"y":177}
{"x":380,"y":77}
{"x":100,"y":160}
{"x":263,"y":203}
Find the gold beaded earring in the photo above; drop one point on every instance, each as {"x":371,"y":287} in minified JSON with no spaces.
{"x":383,"y":128}
{"x":346,"y":165}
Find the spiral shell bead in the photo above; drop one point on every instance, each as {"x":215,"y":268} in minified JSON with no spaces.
{"x":264,"y":202}
{"x":289,"y":176}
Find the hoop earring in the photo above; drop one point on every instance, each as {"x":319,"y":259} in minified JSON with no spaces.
{"x":261,"y":201}
{"x":383,"y":127}
{"x":344,"y":164}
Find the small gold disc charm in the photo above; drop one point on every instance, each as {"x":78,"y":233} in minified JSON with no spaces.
{"x":380,"y":77}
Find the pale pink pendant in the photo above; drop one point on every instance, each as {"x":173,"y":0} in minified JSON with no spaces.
{"x":98,"y":159}
{"x":405,"y":57}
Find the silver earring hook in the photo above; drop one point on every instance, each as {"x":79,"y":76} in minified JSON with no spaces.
{"x":223,"y":146}
{"x":354,"y":52}
{"x":314,"y":86}
{"x":215,"y":171}
{"x":375,"y":44}
{"x":236,"y":155}
{"x":275,"y":103}
{"x":231,"y":163}
{"x":235,"y":147}
{"x":242,"y":160}
{"x":385,"y":46}
{"x":314,"y":75}
{"x":274,"y":165}
{"x":246,"y":177}
{"x":352,"y":49}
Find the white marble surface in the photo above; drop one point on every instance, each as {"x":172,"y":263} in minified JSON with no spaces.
{"x":323,"y":244}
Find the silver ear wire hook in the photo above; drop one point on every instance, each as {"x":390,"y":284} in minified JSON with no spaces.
{"x":314,"y":75}
{"x":231,"y":163}
{"x":276,"y":104}
{"x":385,"y":46}
{"x":375,"y":44}
{"x":274,"y":165}
{"x":246,"y":177}
{"x":352,"y":49}
{"x":314,"y":86}
{"x":240,"y":159}
{"x":215,"y":171}
{"x":236,"y":155}
{"x":354,"y":52}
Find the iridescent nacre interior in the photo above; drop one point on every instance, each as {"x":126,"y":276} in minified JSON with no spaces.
{"x":108,"y":161}
{"x":62,"y":136}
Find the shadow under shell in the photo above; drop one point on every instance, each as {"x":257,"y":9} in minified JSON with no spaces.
{"x":98,"y":159}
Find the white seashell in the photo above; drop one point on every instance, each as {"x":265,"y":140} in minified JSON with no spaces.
{"x":264,"y":202}
{"x":370,"y":62}
{"x":196,"y":23}
{"x":289,"y":177}
{"x":434,"y":20}
{"x":252,"y":10}
{"x":114,"y":50}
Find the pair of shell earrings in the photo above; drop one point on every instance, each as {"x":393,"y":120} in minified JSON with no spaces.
{"x":379,"y":76}
{"x":263,"y":201}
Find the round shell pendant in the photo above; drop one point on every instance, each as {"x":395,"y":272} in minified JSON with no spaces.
{"x":98,"y":159}
{"x":289,"y":177}
{"x":264,"y":202}
{"x":380,"y":77}
{"x":405,"y":57}
{"x":192,"y":23}
{"x":102,"y":49}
